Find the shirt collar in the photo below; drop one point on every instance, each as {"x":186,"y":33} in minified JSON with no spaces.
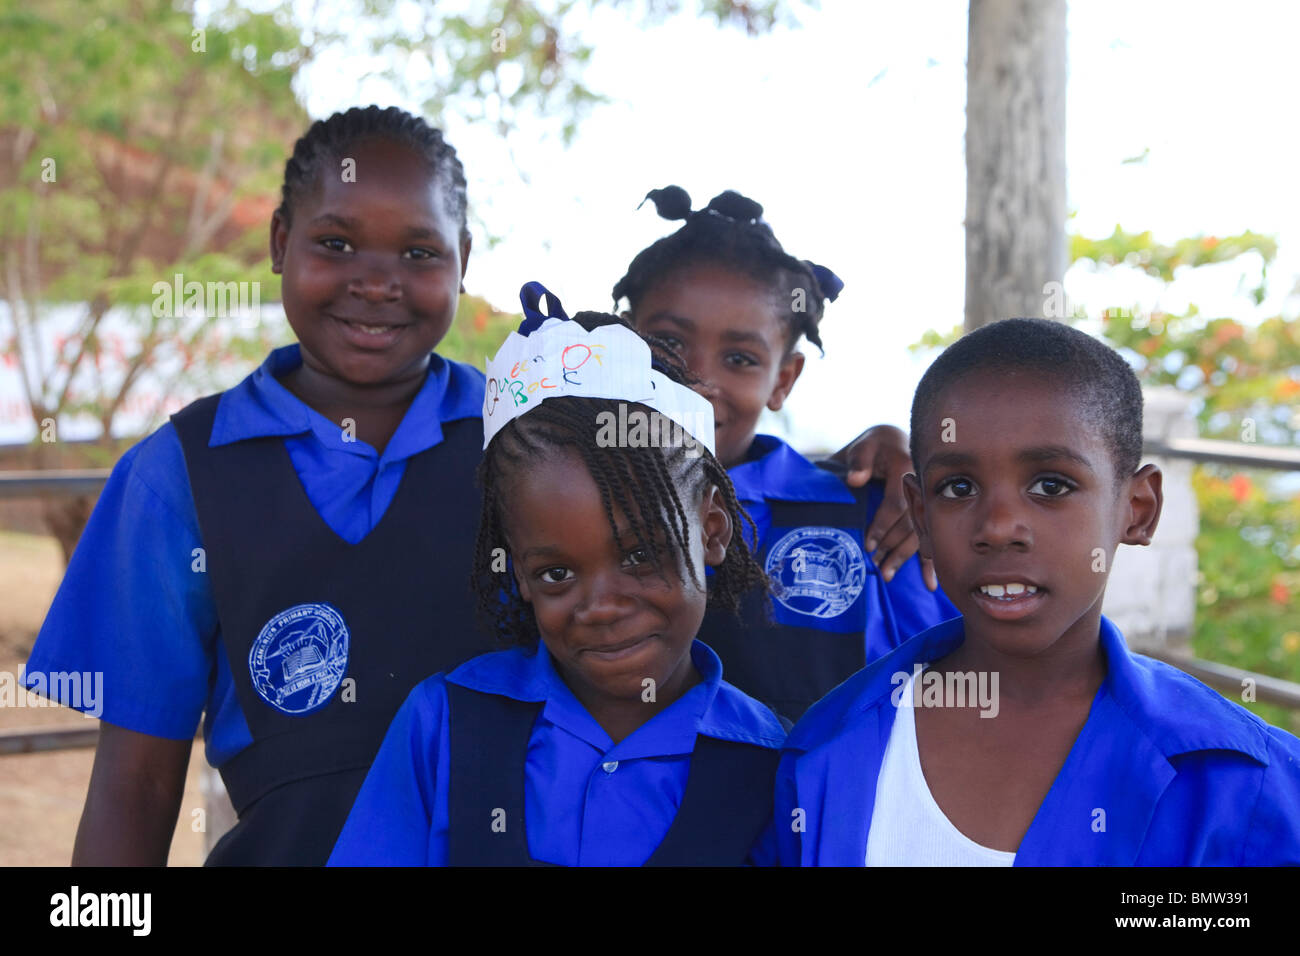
{"x":710,"y":707}
{"x":261,"y":407}
{"x":1176,"y":712}
{"x":776,"y":471}
{"x":1179,"y":713}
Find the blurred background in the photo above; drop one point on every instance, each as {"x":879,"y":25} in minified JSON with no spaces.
{"x":1127,"y":168}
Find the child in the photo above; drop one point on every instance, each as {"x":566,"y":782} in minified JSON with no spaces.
{"x":733,"y":304}
{"x":290,"y":556}
{"x":615,"y":741}
{"x":1027,"y":435}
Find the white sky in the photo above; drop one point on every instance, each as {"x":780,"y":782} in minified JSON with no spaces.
{"x":849,"y":130}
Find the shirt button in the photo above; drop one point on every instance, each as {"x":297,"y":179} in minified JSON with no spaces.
{"x":609,"y":766}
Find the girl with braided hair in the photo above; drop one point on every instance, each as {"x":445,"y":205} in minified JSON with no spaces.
{"x":614,"y":740}
{"x":724,"y":294}
{"x":291,"y":556}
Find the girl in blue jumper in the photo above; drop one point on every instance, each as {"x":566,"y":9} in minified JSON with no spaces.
{"x":607,"y":737}
{"x":242,"y":560}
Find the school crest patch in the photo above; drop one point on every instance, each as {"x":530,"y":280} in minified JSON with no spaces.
{"x":817,"y":571}
{"x":298,"y":660}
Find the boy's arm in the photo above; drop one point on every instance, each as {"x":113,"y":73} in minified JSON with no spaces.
{"x":882,"y":452}
{"x":133,"y":801}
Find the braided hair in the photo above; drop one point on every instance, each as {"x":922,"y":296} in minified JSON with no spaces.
{"x":729,"y":232}
{"x":328,"y":141}
{"x":647,"y":484}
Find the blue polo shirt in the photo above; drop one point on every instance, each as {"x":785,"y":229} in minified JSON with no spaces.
{"x":776,"y":472}
{"x":587,"y":800}
{"x":135,"y":604}
{"x":1184,"y":776}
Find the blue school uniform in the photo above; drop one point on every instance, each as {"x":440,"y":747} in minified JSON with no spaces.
{"x":831,"y":611}
{"x":566,"y":794}
{"x":250,"y":561}
{"x":1165,"y":772}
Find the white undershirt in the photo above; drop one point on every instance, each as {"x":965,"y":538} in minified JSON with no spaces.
{"x":907,"y":826}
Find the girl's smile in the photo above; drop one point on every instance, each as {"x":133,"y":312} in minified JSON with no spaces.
{"x":371,"y":273}
{"x":615,"y":625}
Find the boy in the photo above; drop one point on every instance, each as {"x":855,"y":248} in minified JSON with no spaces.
{"x":1026,"y":436}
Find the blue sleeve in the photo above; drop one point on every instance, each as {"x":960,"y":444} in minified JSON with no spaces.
{"x":135,"y":604}
{"x":916,"y":608}
{"x":1273,"y":838}
{"x":401,"y":815}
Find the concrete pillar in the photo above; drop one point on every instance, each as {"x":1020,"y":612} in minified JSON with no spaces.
{"x":1152,"y":591}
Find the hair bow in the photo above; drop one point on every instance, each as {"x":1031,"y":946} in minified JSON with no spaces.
{"x":530,"y":297}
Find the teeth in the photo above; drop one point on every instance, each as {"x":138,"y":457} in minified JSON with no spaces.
{"x":371,"y":329}
{"x":1000,"y":590}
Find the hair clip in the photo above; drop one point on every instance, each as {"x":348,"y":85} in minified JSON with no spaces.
{"x":830,"y":283}
{"x":530,"y":297}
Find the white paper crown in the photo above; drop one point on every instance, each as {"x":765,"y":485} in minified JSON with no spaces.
{"x":560,"y":358}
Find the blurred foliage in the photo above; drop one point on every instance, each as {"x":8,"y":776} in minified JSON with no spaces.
{"x":1248,"y":587}
{"x":135,"y":138}
{"x":932,"y":339}
{"x":478,"y":331}
{"x":1246,"y":381}
{"x":121,"y":171}
{"x":1140,"y":250}
{"x":1244,"y":377}
{"x":500,"y":60}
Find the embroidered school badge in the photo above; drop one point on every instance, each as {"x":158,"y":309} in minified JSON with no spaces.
{"x":817,"y":571}
{"x":298,"y":661}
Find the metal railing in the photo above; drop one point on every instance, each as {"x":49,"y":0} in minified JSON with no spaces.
{"x":1223,"y":678}
{"x":52,"y":484}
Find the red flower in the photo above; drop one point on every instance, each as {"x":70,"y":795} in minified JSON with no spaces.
{"x":1241,"y":487}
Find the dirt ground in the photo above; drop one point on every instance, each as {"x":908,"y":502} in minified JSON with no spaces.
{"x":41,"y":795}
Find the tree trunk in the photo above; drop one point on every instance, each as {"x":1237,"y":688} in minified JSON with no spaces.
{"x":1015,"y":160}
{"x":66,"y":518}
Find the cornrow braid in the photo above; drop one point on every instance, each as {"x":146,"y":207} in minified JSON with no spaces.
{"x":728,"y":232}
{"x":649,"y":485}
{"x":329,"y":140}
